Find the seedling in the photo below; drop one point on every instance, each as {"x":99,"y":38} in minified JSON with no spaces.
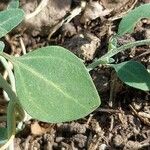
{"x":52,"y":84}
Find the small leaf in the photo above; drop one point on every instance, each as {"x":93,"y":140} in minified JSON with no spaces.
{"x":9,"y":19}
{"x":133,"y":74}
{"x":13,"y":4}
{"x":2,"y":45}
{"x":53,"y":85}
{"x":129,"y":22}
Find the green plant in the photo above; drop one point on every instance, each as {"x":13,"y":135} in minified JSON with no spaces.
{"x":52,"y":84}
{"x":131,"y":72}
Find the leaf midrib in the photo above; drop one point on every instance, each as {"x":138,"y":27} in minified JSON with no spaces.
{"x":47,"y":81}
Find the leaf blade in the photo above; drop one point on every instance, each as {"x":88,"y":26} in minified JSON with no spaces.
{"x":69,"y":92}
{"x":13,"y":4}
{"x":133,"y":74}
{"x":128,"y":23}
{"x":9,"y":19}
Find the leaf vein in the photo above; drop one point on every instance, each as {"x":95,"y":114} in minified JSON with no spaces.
{"x":50,"y":82}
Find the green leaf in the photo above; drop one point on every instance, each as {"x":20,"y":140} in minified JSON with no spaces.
{"x":129,"y":22}
{"x":133,"y":74}
{"x":53,"y":85}
{"x":13,"y":4}
{"x":3,"y":136}
{"x":9,"y":19}
{"x":2,"y":45}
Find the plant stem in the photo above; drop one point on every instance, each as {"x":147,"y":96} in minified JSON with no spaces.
{"x":10,"y":73}
{"x":3,"y":57}
{"x":6,"y":56}
{"x":104,"y":59}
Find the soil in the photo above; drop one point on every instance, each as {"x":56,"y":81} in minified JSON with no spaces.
{"x":118,"y":124}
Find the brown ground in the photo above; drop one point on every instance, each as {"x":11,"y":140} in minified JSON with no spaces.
{"x":117,"y":123}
